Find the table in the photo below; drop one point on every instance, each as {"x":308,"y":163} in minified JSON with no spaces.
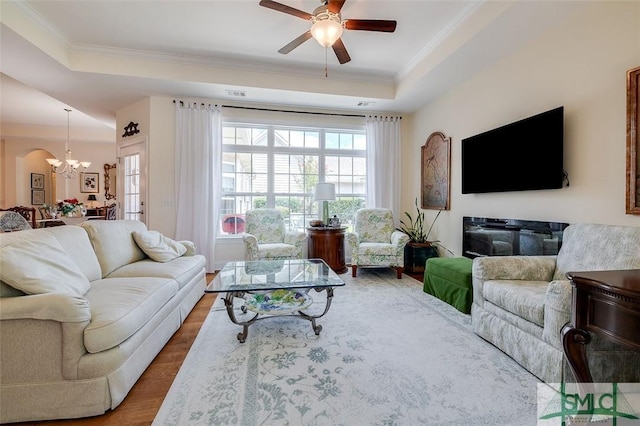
{"x":67,"y":220}
{"x":327,"y":243}
{"x":274,"y":287}
{"x":603,"y":302}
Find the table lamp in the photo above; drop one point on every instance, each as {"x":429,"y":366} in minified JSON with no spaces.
{"x":92,"y":200}
{"x":325,"y":192}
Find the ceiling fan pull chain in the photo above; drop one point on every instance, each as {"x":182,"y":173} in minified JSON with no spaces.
{"x":326,"y":70}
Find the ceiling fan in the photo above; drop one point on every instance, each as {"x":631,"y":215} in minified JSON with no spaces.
{"x":327,"y":26}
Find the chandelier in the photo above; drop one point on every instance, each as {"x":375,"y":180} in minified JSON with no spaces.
{"x":68,"y":169}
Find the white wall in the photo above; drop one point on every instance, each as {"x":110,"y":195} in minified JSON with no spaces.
{"x":580,"y":64}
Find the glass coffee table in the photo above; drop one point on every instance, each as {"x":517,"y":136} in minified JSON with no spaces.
{"x":269,"y":288}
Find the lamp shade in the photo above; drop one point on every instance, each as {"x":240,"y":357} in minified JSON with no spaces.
{"x":326,"y":32}
{"x":325,"y":192}
{"x":92,"y":197}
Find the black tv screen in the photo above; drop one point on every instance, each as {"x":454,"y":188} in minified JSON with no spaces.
{"x":521,"y":156}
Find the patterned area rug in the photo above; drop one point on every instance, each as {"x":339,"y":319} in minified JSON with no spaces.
{"x":388,"y":354}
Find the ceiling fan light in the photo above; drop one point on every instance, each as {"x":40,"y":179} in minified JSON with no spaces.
{"x":326,"y":32}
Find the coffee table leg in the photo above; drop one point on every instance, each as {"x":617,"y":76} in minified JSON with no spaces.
{"x":318,"y":328}
{"x":228,"y":303}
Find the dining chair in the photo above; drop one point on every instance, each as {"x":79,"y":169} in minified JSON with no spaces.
{"x":11,"y":221}
{"x":29,"y":213}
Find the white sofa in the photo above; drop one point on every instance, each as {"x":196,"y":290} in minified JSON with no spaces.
{"x":96,"y":313}
{"x":520,"y":303}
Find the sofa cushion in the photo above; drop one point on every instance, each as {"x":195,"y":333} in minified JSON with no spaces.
{"x":35,"y":263}
{"x":522,"y":298}
{"x":157,"y":246}
{"x":7,"y":291}
{"x":182,"y":269}
{"x":75,"y":242}
{"x":121,"y":306}
{"x":113,"y":243}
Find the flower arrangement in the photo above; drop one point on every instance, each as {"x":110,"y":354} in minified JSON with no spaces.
{"x":68,"y":205}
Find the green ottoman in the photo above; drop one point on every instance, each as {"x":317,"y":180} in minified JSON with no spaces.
{"x":449,"y":279}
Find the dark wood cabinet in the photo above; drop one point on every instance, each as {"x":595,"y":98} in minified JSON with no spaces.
{"x":327,"y":243}
{"x":606,"y":303}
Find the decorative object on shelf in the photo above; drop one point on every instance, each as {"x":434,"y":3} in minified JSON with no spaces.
{"x":89,"y":182}
{"x":325,"y":192}
{"x":37,"y":181}
{"x":419,"y":248}
{"x":436,"y":162}
{"x":37,"y":197}
{"x":110,"y":181}
{"x":315,"y":223}
{"x":130,"y":129}
{"x":71,"y":167}
{"x":334,"y":221}
{"x":633,"y":140}
{"x":69,"y":206}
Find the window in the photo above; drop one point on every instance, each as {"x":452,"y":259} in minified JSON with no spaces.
{"x":279,"y":166}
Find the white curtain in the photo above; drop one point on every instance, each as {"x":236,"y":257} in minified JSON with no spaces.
{"x":198,"y":176}
{"x":383,"y":162}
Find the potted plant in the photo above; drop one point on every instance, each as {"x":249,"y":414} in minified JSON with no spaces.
{"x":419,"y":248}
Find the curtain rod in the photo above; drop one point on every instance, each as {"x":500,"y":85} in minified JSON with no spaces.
{"x":284,"y":110}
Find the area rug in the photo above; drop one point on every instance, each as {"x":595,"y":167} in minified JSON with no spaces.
{"x":388,"y":354}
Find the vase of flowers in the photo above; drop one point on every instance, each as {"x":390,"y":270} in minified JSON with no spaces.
{"x":68,"y":206}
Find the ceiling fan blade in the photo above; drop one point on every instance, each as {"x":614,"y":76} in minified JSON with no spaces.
{"x":295,"y":43}
{"x":285,"y":9}
{"x":335,"y":5}
{"x":370,"y":25}
{"x":341,"y":51}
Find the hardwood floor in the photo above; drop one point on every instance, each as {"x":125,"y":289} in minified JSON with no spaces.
{"x":145,"y":398}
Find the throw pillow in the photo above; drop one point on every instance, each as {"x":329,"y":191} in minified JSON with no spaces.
{"x":40,"y":265}
{"x":158,"y":247}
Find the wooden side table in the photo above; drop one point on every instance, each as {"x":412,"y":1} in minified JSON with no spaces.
{"x":603,"y":302}
{"x":327,"y":243}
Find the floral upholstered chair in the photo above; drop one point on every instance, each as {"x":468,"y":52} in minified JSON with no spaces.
{"x":376,"y":242}
{"x":266,"y":237}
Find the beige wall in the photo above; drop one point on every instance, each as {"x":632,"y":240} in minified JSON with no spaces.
{"x":582,"y":65}
{"x":26,"y":155}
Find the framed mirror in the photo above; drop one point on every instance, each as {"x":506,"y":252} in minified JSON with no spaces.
{"x":633,"y":139}
{"x":110,"y":181}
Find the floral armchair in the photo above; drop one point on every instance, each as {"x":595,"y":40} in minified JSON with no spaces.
{"x":376,"y":242}
{"x":265,"y":236}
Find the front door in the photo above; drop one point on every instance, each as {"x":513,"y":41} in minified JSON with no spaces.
{"x":132,"y":179}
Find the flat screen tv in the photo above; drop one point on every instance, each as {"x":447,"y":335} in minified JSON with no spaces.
{"x":521,"y":156}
